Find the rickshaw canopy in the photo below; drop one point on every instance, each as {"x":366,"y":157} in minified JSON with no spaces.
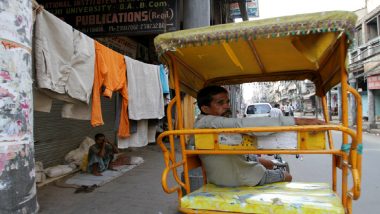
{"x":307,"y":46}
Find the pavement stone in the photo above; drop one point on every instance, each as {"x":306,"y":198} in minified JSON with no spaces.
{"x":137,"y":191}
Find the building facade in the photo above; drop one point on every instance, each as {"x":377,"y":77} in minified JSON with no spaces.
{"x":364,"y":60}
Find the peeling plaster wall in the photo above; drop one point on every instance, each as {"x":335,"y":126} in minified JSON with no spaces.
{"x":17,"y":175}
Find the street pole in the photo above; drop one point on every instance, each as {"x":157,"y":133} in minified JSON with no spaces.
{"x":196,"y":13}
{"x":17,"y":172}
{"x":353,"y":102}
{"x":339,"y":91}
{"x":329,"y":104}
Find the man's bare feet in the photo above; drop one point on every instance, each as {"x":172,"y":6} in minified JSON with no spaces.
{"x":287,"y":177}
{"x":97,"y":173}
{"x":95,"y":170}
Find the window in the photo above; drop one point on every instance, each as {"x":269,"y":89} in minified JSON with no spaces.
{"x":262,"y":109}
{"x":259,"y":109}
{"x":372,"y":30}
{"x":359,"y":36}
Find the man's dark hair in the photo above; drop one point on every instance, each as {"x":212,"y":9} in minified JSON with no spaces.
{"x":204,"y":96}
{"x":277,"y":105}
{"x":99,"y":135}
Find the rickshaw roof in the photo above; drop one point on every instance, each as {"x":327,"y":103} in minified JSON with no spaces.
{"x":305,"y":46}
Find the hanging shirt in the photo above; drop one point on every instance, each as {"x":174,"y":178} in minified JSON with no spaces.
{"x":164,"y":80}
{"x":110,"y":75}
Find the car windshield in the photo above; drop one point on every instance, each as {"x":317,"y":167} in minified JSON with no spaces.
{"x":258,"y":109}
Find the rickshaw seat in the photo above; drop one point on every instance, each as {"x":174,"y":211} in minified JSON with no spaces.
{"x":293,"y":197}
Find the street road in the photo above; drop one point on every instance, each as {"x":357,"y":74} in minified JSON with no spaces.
{"x":317,"y":168}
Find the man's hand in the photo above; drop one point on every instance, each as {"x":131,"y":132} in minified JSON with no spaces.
{"x":308,"y":121}
{"x":114,"y":147}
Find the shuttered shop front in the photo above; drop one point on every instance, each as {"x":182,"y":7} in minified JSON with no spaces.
{"x":55,"y":136}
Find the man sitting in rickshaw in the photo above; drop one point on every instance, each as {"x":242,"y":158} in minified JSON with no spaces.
{"x":236,"y":170}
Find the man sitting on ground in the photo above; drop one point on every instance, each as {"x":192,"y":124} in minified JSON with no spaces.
{"x":100,"y":155}
{"x":236,"y":170}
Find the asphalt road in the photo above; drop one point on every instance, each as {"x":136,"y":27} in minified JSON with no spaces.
{"x":317,"y":168}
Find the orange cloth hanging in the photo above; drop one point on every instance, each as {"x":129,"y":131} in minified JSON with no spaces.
{"x":110,"y":73}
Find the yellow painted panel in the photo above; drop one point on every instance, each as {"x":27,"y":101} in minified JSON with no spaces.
{"x":204,"y":141}
{"x":311,"y":140}
{"x":306,"y":140}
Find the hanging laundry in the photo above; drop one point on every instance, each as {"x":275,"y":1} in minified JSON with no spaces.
{"x":145,"y":91}
{"x":64,"y":58}
{"x":132,"y":123}
{"x":146,"y":133}
{"x":110,"y":75}
{"x":64,"y":67}
{"x":152,"y":130}
{"x":164,"y":80}
{"x":138,"y":139}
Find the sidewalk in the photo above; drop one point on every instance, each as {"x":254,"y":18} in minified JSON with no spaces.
{"x":335,"y":120}
{"x":365,"y":126}
{"x":137,"y":191}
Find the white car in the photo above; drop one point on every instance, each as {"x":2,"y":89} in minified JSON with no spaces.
{"x":258,"y":110}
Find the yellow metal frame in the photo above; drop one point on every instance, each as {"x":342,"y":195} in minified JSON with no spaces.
{"x":346,"y":160}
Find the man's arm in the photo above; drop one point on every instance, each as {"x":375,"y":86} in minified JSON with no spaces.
{"x":308,"y":121}
{"x":114,"y":147}
{"x":102,"y":150}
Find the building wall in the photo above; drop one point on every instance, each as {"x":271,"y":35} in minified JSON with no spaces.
{"x":365,"y":103}
{"x":377,"y":103}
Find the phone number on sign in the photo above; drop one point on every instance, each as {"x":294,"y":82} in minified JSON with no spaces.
{"x":135,"y":27}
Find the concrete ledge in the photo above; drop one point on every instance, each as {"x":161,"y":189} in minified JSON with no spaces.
{"x":49,"y":180}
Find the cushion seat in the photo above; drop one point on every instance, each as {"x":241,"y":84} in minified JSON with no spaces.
{"x":284,"y":197}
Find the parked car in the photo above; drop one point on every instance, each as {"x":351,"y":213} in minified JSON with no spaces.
{"x":258,"y":110}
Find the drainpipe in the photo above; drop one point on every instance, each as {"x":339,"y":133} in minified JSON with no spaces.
{"x":17,"y":171}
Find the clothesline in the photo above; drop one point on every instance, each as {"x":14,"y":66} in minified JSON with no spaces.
{"x":72,"y":67}
{"x":38,"y":8}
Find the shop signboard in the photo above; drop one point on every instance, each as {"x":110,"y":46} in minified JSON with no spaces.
{"x":252,"y":9}
{"x":116,"y":17}
{"x":121,"y":44}
{"x":373,"y":82}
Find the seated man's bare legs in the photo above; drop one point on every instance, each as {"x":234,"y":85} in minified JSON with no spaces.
{"x":95,"y":170}
{"x":274,"y":176}
{"x":268,"y":164}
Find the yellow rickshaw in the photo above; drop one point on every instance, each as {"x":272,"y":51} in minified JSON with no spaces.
{"x":308,"y":46}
